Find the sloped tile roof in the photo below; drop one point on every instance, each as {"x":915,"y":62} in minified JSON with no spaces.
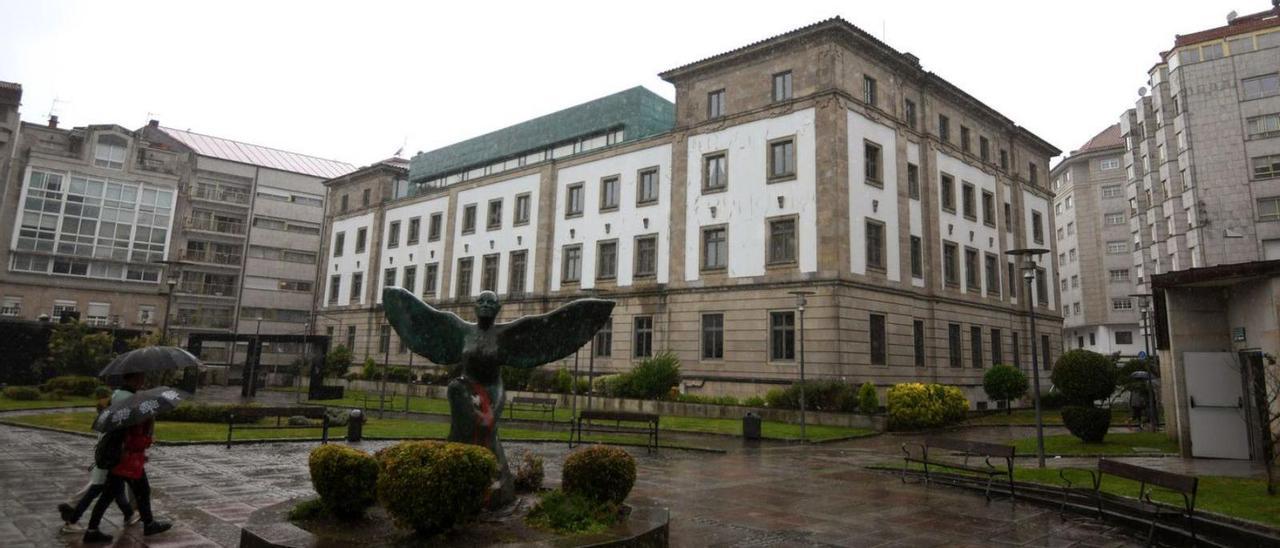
{"x":236,"y":151}
{"x":1245,"y":23}
{"x":1108,"y":138}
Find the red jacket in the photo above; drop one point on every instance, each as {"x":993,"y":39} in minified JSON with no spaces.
{"x":134,"y":457}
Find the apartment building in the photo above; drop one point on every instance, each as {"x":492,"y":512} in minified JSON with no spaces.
{"x":1092,"y":229}
{"x":1202,"y":154}
{"x":819,"y":160}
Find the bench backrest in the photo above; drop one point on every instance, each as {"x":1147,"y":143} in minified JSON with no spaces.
{"x":1168,"y":480}
{"x":971,"y":447}
{"x":619,"y":416}
{"x":532,"y":399}
{"x":310,"y":412}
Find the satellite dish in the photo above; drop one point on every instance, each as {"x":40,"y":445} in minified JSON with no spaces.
{"x":1231,"y":16}
{"x":1142,"y":91}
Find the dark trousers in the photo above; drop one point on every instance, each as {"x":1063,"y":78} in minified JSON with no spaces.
{"x":121,"y":498}
{"x":115,"y":488}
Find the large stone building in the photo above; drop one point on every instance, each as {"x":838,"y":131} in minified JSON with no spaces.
{"x":818,"y":160}
{"x":1092,"y":229}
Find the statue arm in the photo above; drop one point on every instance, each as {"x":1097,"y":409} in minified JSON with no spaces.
{"x":437,"y":335}
{"x":535,"y":340}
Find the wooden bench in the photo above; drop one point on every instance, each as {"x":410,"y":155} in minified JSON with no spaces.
{"x":1147,"y":478}
{"x":372,"y":402}
{"x":927,"y":454}
{"x":542,"y":405}
{"x":585,"y":422}
{"x":310,"y":412}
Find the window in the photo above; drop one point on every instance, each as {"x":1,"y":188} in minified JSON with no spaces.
{"x":975,"y":345}
{"x":146,"y":312}
{"x":1076,"y":308}
{"x":1075,"y":281}
{"x":357,"y":280}
{"x":1106,"y":164}
{"x":1264,"y":126}
{"x":782,"y":241}
{"x":1122,"y":303}
{"x":489,"y":273}
{"x":997,"y":348}
{"x":522,"y":210}
{"x":604,"y":340}
{"x":715,"y":172}
{"x":571,"y":268}
{"x":362,"y":236}
{"x":917,"y":341}
{"x":1117,"y":246}
{"x":1118,"y":275}
{"x":1011,"y":273}
{"x":1045,"y":363}
{"x":1266,"y":167}
{"x":410,"y":282}
{"x":110,"y":151}
{"x":429,"y":277}
{"x":433,"y":226}
{"x":875,"y":245}
{"x":465,"y":265}
{"x":948,"y":192}
{"x":715,"y":104}
{"x":415,"y":230}
{"x":343,"y":207}
{"x":712,"y":336}
{"x":971,"y":273}
{"x":1037,"y":227}
{"x":953,"y":345}
{"x":913,"y":181}
{"x":339,"y":241}
{"x":988,"y":208}
{"x":393,"y":235}
{"x":494,"y":218}
{"x":335,"y":282}
{"x":1261,"y":86}
{"x":869,"y":90}
{"x":389,"y":277}
{"x":384,"y":338}
{"x":1072,"y":254}
{"x":518,"y":261}
{"x":646,"y":263}
{"x":609,"y":193}
{"x":1033,"y":176}
{"x":878,"y":352}
{"x":950,"y":264}
{"x":1061,"y":234}
{"x":1008,"y":217}
{"x":782,"y":159}
{"x":364,"y":198}
{"x":469,"y":219}
{"x":968,"y":201}
{"x":944,"y":128}
{"x":647,"y":186}
{"x":984,"y":149}
{"x":1112,"y":191}
{"x":782,"y":336}
{"x":607,"y":260}
{"x":992,"y":264}
{"x":909,"y":112}
{"x":1004,"y":159}
{"x":1064,"y":284}
{"x":573,"y":200}
{"x":782,"y":86}
{"x":1042,"y":286}
{"x":917,"y":258}
{"x":715,"y":249}
{"x":1124,"y":337}
{"x":1017,"y":350}
{"x":964,"y":138}
{"x":872,"y":164}
{"x":642,"y":337}
{"x":1114,"y":219}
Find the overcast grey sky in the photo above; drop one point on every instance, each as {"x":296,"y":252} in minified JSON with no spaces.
{"x":355,"y":80}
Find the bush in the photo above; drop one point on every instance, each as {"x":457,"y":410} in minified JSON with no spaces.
{"x":600,"y":473}
{"x":206,"y":413}
{"x":571,"y":513}
{"x":1052,"y":399}
{"x":337,"y":416}
{"x":868,"y":401}
{"x":75,"y":385}
{"x":653,"y":378}
{"x":1088,"y":423}
{"x":753,"y":401}
{"x":916,"y":405}
{"x":1084,"y":377}
{"x":1005,"y":383}
{"x":345,"y":478}
{"x":823,"y":395}
{"x":75,"y":349}
{"x":516,"y":378}
{"x":21,"y":393}
{"x":528,"y":473}
{"x":337,"y":362}
{"x":433,"y":486}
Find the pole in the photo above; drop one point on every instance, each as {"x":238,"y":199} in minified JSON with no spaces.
{"x":1152,"y":412}
{"x":1035,"y":361}
{"x":168,"y":306}
{"x":803,"y":436}
{"x":591,"y":372}
{"x":386,"y":365}
{"x":306,"y":362}
{"x":407,"y":384}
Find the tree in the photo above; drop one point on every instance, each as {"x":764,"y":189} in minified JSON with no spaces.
{"x":75,"y":349}
{"x":1005,"y":383}
{"x":151,"y":338}
{"x":868,"y":401}
{"x":337,"y":362}
{"x":1083,"y":378}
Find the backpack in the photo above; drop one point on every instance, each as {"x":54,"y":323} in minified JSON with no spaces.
{"x":110,"y":449}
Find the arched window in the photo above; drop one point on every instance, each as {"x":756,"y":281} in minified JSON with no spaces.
{"x":110,"y":151}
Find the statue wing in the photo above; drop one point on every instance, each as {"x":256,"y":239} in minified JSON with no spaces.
{"x":534,"y":340}
{"x":435,"y":334}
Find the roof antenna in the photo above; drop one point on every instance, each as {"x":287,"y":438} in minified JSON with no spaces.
{"x":53,"y":106}
{"x":403,"y":143}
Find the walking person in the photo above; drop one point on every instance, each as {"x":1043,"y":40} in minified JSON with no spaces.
{"x":97,"y":484}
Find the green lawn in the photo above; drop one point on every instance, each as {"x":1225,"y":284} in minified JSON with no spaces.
{"x":1027,"y":417}
{"x":7,"y":404}
{"x":1114,"y":444}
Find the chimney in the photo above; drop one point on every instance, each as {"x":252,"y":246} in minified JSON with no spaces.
{"x":153,"y":124}
{"x":911,"y":57}
{"x":53,"y":121}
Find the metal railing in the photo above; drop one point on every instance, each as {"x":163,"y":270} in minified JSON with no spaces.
{"x":215,"y":257}
{"x":216,"y":194}
{"x":217,"y":290}
{"x":211,"y":225}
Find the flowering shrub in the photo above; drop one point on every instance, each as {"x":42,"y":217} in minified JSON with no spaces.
{"x":916,"y":405}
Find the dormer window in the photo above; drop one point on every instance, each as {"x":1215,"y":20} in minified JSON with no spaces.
{"x":110,"y":151}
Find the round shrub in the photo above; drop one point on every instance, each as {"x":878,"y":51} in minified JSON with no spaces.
{"x":528,"y":473}
{"x":1088,"y":423}
{"x":75,"y":385}
{"x":21,"y":393}
{"x":916,"y":405}
{"x":1084,"y":377}
{"x":868,"y":401}
{"x":345,"y":478}
{"x":1005,"y":383}
{"x":433,"y":486}
{"x":599,"y":472}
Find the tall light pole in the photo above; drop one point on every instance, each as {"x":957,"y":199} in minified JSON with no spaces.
{"x":306,"y":362}
{"x":1144,"y":305}
{"x":168,"y":306}
{"x":800,"y":302}
{"x":1029,"y":273}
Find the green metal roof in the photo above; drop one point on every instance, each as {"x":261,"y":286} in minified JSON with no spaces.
{"x":640,"y":112}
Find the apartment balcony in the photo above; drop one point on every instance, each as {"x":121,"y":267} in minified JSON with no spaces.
{"x":230,"y":228}
{"x":158,"y":161}
{"x":203,"y":321}
{"x":10,"y":311}
{"x":212,"y":257}
{"x":220,"y":195}
{"x":208,"y":289}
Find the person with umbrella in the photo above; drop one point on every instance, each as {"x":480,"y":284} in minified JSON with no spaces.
{"x":97,"y":484}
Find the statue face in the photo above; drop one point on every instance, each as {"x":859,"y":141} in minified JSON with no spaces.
{"x":487,"y":305}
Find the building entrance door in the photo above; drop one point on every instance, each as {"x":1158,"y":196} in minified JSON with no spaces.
{"x":1215,"y":396}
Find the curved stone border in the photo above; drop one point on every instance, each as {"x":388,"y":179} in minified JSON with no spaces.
{"x":647,"y":526}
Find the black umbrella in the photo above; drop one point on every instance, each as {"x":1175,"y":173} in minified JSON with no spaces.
{"x":151,"y":358}
{"x":138,"y":408}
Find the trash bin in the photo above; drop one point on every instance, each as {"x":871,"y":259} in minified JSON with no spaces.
{"x":751,"y":426}
{"x":355,"y":425}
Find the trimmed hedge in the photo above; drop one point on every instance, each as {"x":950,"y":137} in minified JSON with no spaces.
{"x":73,"y":385}
{"x":914,"y":406}
{"x":1090,"y":424}
{"x":600,"y":472}
{"x":217,"y":413}
{"x":1084,"y":377}
{"x":528,"y":473}
{"x":868,"y":401}
{"x":820,"y":395}
{"x":433,"y":486}
{"x":22,"y":393}
{"x":345,"y":478}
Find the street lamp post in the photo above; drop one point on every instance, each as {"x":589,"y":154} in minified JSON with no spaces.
{"x":168,"y":306}
{"x":1029,"y":274}
{"x":306,"y":362}
{"x":1144,"y":305}
{"x":801,"y":301}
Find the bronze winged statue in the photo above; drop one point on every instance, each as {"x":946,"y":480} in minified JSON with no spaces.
{"x":479,"y":350}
